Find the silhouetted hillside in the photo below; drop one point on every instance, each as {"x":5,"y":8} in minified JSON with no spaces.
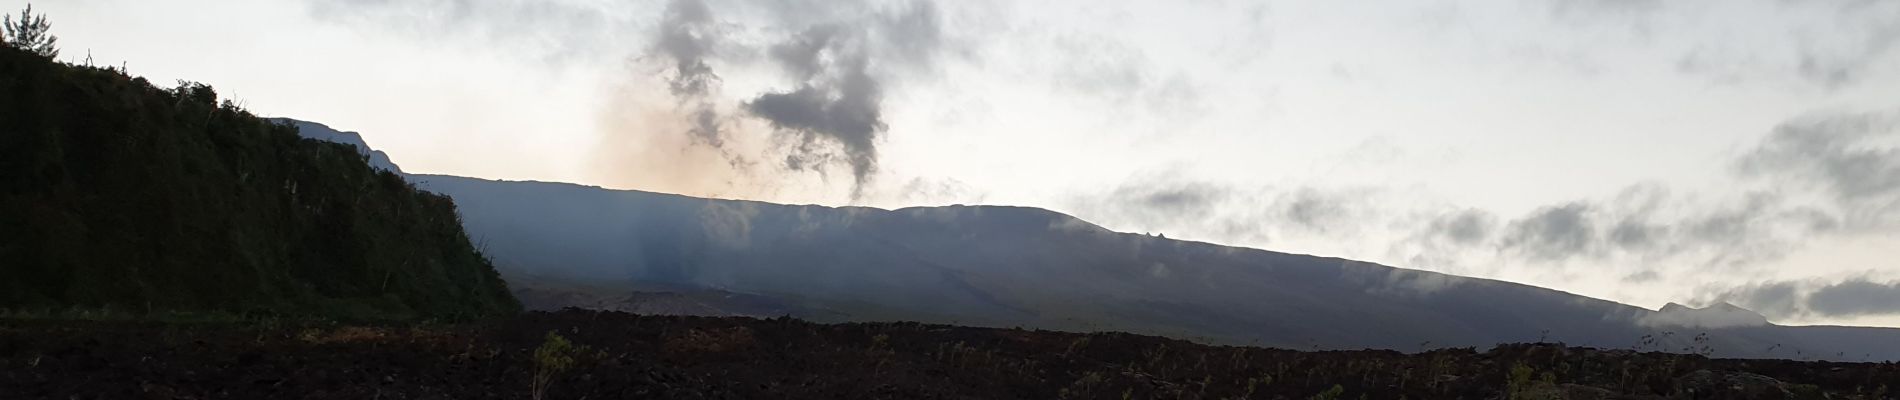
{"x":118,"y":194}
{"x":1018,"y":266}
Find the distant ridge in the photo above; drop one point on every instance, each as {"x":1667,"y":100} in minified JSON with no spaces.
{"x":1018,"y":266}
{"x":1005,"y":266}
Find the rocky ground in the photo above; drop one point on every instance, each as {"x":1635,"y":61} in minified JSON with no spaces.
{"x":601,"y":355}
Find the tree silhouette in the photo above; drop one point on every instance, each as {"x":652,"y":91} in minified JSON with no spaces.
{"x":30,"y":33}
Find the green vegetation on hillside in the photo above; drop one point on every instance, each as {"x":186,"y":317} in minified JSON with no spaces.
{"x":120,"y":195}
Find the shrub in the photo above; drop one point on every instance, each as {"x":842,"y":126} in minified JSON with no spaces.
{"x":554,"y":356}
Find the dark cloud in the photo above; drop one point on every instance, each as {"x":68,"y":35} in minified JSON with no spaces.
{"x":1316,"y":211}
{"x":1635,"y":234}
{"x":1852,"y":297}
{"x":1644,"y":276}
{"x":914,"y":32}
{"x":1465,"y":227}
{"x":1849,"y":156}
{"x":1829,"y":173}
{"x":1233,"y":214}
{"x":1856,"y":297}
{"x":1774,"y":299}
{"x":1160,"y":203}
{"x":1554,"y":233}
{"x":1189,"y":200}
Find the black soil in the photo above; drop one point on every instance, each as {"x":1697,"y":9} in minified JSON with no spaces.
{"x":632,"y":356}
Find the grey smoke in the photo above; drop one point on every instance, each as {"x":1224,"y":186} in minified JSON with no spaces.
{"x":834,"y":110}
{"x":843,"y":110}
{"x":841,"y":58}
{"x":687,"y":37}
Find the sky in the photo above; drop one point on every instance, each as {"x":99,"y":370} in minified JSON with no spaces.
{"x":1642,"y":151}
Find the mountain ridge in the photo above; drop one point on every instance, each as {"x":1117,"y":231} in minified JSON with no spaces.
{"x":1006,"y":266}
{"x":121,"y":196}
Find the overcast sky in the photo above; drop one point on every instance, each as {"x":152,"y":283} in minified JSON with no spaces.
{"x":1643,"y":151}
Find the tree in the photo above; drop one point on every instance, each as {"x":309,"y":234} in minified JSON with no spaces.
{"x":30,"y":33}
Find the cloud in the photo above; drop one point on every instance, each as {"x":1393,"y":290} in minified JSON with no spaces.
{"x":1719,"y":315}
{"x":1813,"y":176}
{"x":556,"y":32}
{"x":1553,"y":233}
{"x":1248,"y":215}
{"x":1820,"y":174}
{"x":1189,"y":200}
{"x":1103,"y":68}
{"x":1856,"y":297}
{"x":1860,"y":296}
{"x":1318,"y":211}
{"x":1463,"y":227}
{"x":1775,"y":299}
{"x":1852,"y":158}
{"x":1636,"y":234}
{"x":1827,"y":44}
{"x":1179,"y":207}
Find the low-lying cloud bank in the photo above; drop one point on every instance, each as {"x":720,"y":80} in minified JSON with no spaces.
{"x":1816,"y":176}
{"x":1853,"y":297}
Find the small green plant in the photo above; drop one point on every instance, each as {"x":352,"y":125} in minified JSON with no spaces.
{"x":555,"y":356}
{"x":1078,"y":342}
{"x":1331,"y":393}
{"x":1520,"y":381}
